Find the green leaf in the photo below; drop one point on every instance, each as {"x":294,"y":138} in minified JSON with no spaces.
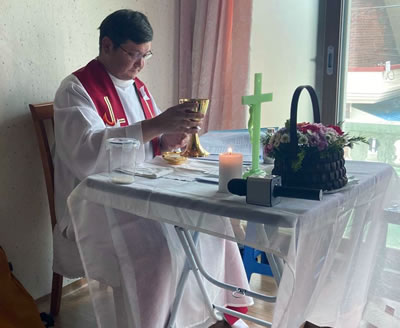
{"x":296,"y":164}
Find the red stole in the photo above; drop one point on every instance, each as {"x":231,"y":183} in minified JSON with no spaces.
{"x":101,"y":90}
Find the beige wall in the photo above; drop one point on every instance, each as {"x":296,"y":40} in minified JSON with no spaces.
{"x":42,"y":41}
{"x":283,"y":49}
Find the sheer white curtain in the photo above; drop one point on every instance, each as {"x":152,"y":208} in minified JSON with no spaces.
{"x":214,"y":58}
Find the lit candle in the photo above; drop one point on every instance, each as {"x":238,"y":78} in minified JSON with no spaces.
{"x":230,"y":167}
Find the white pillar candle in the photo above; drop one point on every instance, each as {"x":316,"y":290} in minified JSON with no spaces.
{"x":230,"y":167}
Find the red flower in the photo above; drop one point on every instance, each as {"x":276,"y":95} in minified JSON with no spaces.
{"x":304,"y":127}
{"x":336,"y":128}
{"x":299,"y":125}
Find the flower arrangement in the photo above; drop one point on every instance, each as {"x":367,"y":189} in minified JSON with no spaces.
{"x":313,"y":139}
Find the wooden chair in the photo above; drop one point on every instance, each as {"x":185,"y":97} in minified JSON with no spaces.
{"x":42,"y":113}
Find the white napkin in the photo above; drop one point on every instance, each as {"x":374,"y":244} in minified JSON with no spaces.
{"x":153,"y":172}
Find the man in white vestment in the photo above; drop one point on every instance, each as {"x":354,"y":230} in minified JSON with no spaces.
{"x":103,"y":100}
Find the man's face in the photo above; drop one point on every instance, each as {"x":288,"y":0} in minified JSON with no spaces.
{"x":126,"y":61}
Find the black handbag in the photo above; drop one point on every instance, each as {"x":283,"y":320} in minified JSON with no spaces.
{"x":319,"y":169}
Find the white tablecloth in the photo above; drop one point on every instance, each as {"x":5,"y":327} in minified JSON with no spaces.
{"x":329,"y":247}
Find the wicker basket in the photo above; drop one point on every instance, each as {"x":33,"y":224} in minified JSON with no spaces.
{"x":320,"y":170}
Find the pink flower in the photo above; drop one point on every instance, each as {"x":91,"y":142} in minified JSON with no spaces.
{"x":313,"y":139}
{"x":322,"y":144}
{"x":268,"y":148}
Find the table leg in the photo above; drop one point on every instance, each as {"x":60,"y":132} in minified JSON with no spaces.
{"x":275,"y":267}
{"x":190,"y":250}
{"x":181,"y":287}
{"x":190,"y":257}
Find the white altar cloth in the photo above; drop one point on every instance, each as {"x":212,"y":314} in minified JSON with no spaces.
{"x":329,"y":247}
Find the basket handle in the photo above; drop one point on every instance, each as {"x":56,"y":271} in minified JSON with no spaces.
{"x":293,"y":112}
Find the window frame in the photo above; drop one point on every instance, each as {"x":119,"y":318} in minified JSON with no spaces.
{"x":334,"y":45}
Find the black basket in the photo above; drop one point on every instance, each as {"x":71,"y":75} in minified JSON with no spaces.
{"x":319,"y":170}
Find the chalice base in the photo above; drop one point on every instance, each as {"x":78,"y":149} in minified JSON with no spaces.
{"x":194,"y":149}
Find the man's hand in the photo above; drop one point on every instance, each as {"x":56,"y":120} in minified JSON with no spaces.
{"x":173,"y":141}
{"x":178,"y":119}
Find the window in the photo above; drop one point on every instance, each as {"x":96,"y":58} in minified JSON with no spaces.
{"x":370,"y":103}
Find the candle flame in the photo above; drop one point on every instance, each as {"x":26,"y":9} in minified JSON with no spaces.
{"x":230,"y":150}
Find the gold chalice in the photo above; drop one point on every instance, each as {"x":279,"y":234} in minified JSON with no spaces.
{"x":193,"y":148}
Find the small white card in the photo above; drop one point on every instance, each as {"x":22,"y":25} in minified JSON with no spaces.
{"x":144,"y":94}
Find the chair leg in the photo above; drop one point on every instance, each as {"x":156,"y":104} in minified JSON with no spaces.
{"x":56,"y":291}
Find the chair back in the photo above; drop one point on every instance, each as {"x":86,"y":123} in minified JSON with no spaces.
{"x":41,"y":114}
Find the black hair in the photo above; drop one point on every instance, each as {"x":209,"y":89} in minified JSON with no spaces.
{"x":123,"y":25}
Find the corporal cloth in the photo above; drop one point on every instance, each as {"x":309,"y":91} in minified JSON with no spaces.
{"x":149,"y":262}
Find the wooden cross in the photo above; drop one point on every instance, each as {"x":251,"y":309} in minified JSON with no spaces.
{"x":255,"y":101}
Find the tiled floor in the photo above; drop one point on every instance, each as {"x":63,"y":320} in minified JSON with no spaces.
{"x":77,"y":312}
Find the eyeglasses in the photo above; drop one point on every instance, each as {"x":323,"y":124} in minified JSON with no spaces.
{"x":137,"y":55}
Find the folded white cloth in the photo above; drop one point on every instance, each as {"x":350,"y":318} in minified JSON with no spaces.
{"x":153,"y":172}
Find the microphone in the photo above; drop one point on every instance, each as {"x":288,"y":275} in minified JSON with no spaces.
{"x":266,"y":191}
{"x":258,"y":191}
{"x":238,"y":187}
{"x":298,"y":192}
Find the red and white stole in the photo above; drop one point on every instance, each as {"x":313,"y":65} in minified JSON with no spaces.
{"x":147,"y":105}
{"x":101,"y":90}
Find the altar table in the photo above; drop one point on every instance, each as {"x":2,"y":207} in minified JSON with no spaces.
{"x":329,"y":247}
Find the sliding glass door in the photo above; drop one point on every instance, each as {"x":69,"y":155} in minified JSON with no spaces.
{"x":368,"y":102}
{"x":370,"y":98}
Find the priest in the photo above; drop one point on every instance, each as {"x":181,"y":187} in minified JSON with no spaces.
{"x":106,"y":99}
